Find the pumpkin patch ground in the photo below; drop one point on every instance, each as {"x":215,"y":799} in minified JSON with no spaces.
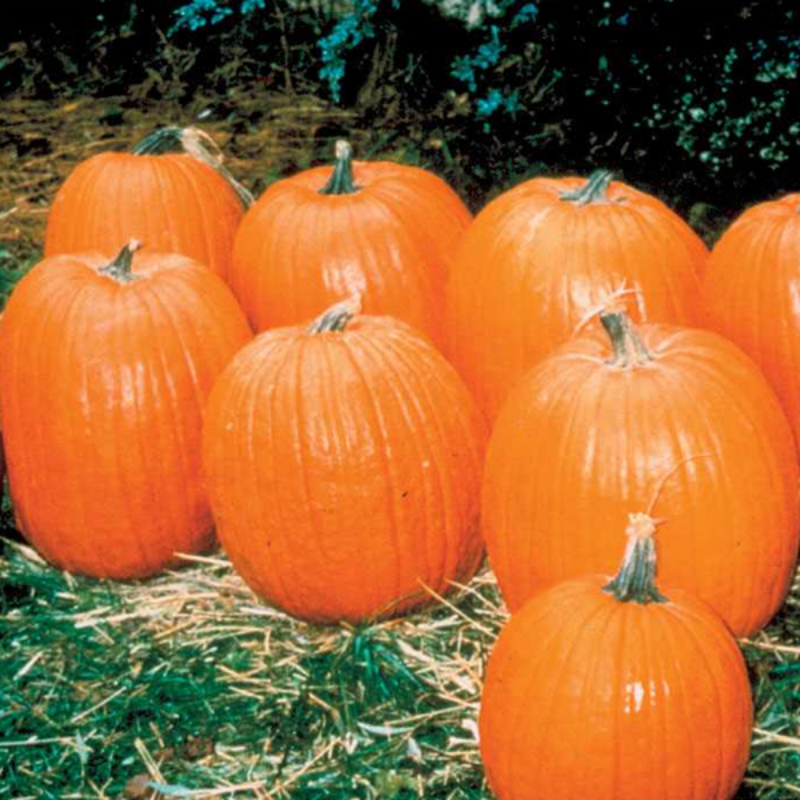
{"x":186,"y":684}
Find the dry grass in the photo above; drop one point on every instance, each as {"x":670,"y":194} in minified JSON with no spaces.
{"x":187,"y":686}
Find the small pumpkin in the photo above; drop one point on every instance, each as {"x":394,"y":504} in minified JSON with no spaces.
{"x":675,"y":420}
{"x":343,"y":462}
{"x":750,"y":293}
{"x":171,"y":192}
{"x":384,"y":231}
{"x":541,"y":259}
{"x":615,"y":691}
{"x":104,"y":373}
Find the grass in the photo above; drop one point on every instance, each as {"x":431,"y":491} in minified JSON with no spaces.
{"x":186,"y":686}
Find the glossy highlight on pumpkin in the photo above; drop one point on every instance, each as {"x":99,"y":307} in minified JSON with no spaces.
{"x":343,"y":463}
{"x":104,"y":374}
{"x":542,"y":258}
{"x":171,"y":201}
{"x":751,"y":293}
{"x":589,"y":693}
{"x":692,"y":434}
{"x":387,"y":232}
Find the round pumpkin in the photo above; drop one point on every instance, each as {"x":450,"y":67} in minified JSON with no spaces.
{"x":750,"y":292}
{"x":615,"y":691}
{"x":174,"y":202}
{"x":343,"y":463}
{"x":384,"y":231}
{"x":671,"y":421}
{"x":542,"y":259}
{"x":104,"y":373}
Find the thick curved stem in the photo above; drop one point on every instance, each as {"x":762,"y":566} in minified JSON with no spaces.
{"x":635,"y":581}
{"x":164,"y":140}
{"x":121,"y":268}
{"x":629,"y":349}
{"x":341,"y":180}
{"x":196,"y":143}
{"x":336,"y":317}
{"x":593,"y":191}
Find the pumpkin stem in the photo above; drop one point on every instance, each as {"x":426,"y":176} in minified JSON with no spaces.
{"x":629,"y":349}
{"x":341,"y":180}
{"x":635,"y":581}
{"x":196,"y":143}
{"x":593,"y":191}
{"x":336,"y":317}
{"x":121,"y":268}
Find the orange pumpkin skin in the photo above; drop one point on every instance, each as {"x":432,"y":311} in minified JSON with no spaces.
{"x":750,"y":291}
{"x":102,"y":387}
{"x":171,"y":202}
{"x":585,"y":696}
{"x":696,"y":433}
{"x":534,"y":267}
{"x":344,"y":470}
{"x":392,"y":242}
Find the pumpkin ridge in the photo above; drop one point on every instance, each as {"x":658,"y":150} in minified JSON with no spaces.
{"x":411,"y":400}
{"x":355,"y":349}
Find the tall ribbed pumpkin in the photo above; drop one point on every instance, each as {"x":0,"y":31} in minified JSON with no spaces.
{"x":387,"y":232}
{"x":174,"y":202}
{"x":679,"y":423}
{"x":104,"y":373}
{"x":750,"y":291}
{"x":614,"y":691}
{"x":542,"y":258}
{"x":343,"y":463}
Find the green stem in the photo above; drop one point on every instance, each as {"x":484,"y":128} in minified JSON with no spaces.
{"x":629,"y":349}
{"x":593,"y":191}
{"x":635,"y":581}
{"x":121,"y":268}
{"x":336,"y":317}
{"x":164,"y":140}
{"x":341,"y":180}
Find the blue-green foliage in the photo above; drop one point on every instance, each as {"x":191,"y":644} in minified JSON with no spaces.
{"x":617,"y":71}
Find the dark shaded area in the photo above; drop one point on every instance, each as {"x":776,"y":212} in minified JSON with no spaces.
{"x":693,"y":101}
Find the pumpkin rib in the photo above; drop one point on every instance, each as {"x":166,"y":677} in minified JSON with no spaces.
{"x":355,"y":355}
{"x":409,"y":402}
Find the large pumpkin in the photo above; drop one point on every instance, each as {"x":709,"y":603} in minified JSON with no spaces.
{"x":104,"y":373}
{"x":750,"y":291}
{"x":343,"y":464}
{"x":174,"y":202}
{"x":541,"y":259}
{"x":384,"y":231}
{"x":615,"y":691}
{"x":679,"y":423}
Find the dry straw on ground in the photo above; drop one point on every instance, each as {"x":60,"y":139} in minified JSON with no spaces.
{"x":186,"y":686}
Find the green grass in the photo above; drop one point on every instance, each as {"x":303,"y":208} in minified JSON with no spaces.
{"x":186,"y":686}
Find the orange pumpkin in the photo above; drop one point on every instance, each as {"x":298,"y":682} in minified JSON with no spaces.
{"x":679,"y":423}
{"x":104,"y":372}
{"x":541,"y":259}
{"x":750,"y":292}
{"x":343,"y":463}
{"x":614,"y":691}
{"x":174,"y":202}
{"x":384,"y":231}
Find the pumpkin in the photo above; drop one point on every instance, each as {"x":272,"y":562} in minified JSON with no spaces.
{"x":750,"y":293}
{"x":669,"y":420}
{"x":611,"y":690}
{"x":104,"y":373}
{"x":542,"y":259}
{"x":343,"y":463}
{"x":384,"y":231}
{"x":174,"y":202}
